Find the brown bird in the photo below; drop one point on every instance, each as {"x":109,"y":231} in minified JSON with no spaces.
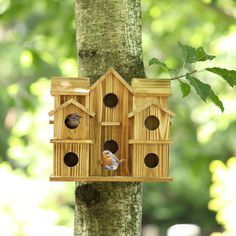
{"x":110,"y":161}
{"x":72,"y":120}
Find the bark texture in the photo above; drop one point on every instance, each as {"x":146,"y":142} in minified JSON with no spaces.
{"x":108,"y":35}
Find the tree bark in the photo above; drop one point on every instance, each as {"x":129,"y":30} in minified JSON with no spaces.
{"x":108,"y":35}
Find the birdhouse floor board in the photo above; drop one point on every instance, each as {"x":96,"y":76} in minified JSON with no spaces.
{"x":110,"y":179}
{"x":140,"y":141}
{"x":71,"y":141}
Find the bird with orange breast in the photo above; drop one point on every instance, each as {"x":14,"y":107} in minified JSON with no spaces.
{"x":110,"y":161}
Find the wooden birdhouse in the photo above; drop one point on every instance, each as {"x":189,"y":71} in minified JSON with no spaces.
{"x":132,"y":122}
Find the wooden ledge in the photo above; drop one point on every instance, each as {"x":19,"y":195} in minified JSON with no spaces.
{"x":85,"y":141}
{"x":110,"y":123}
{"x":110,"y":179}
{"x":140,"y":141}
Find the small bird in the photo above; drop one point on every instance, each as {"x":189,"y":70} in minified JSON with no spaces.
{"x":72,"y":120}
{"x":110,"y":161}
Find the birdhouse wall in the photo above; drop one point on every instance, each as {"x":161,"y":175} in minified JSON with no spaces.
{"x":83,"y":100}
{"x":61,"y":131}
{"x":110,"y":123}
{"x":140,"y":169}
{"x":140,"y":99}
{"x":82,"y":152}
{"x":141,"y":132}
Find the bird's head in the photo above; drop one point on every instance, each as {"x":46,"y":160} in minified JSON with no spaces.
{"x":77,"y":115}
{"x":107,"y":154}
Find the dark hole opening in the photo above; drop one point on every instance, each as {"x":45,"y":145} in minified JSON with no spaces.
{"x":151,"y":160}
{"x":72,"y":120}
{"x":152,"y":122}
{"x":71,"y":159}
{"x":111,"y":145}
{"x":110,"y":100}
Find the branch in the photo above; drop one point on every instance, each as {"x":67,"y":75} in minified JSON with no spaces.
{"x":181,"y":76}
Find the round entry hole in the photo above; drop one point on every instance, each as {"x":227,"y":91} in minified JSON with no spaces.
{"x":71,"y":159}
{"x":152,"y":122}
{"x":111,"y":145}
{"x":110,"y":100}
{"x":72,"y":120}
{"x":151,"y":160}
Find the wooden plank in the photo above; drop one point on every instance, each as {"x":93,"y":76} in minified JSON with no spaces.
{"x":143,"y":141}
{"x":69,"y":85}
{"x":114,"y":123}
{"x":160,"y":87}
{"x":110,"y":179}
{"x":71,"y":141}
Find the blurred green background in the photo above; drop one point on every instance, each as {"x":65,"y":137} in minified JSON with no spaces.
{"x":37,"y":41}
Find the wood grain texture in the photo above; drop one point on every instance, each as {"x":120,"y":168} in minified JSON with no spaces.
{"x":139,"y":167}
{"x":148,"y":86}
{"x":110,"y":123}
{"x":110,"y":179}
{"x":69,"y":86}
{"x":61,"y":169}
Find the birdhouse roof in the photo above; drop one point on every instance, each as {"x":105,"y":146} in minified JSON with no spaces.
{"x":70,"y":86}
{"x":161,"y":87}
{"x":74,"y":102}
{"x":117,"y":75}
{"x":148,"y":104}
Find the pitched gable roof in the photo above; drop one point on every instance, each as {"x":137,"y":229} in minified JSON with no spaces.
{"x":74,"y":102}
{"x":117,"y":75}
{"x":148,"y":104}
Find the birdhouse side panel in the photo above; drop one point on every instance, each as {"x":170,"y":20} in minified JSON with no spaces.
{"x":62,"y":131}
{"x":96,"y":104}
{"x":150,"y":160}
{"x":71,"y":159}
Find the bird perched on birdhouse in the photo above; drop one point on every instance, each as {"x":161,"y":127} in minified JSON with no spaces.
{"x":72,"y":121}
{"x":110,"y":161}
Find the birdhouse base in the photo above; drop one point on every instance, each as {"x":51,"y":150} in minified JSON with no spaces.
{"x":110,"y":179}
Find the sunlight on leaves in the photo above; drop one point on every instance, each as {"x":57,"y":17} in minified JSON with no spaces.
{"x":26,"y":58}
{"x":223,"y":192}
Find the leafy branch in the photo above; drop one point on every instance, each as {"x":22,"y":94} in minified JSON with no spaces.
{"x":192,"y":56}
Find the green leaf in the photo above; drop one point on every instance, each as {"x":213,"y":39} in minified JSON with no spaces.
{"x":192,"y":55}
{"x":185,"y":88}
{"x":228,"y":75}
{"x":202,"y":89}
{"x":202,"y":55}
{"x":216,"y":101}
{"x":158,"y":62}
{"x":188,"y":52}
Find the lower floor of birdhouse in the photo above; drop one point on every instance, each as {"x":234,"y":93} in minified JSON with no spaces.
{"x":110,"y":179}
{"x":142,"y":163}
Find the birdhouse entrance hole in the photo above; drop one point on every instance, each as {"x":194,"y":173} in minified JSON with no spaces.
{"x":72,"y":121}
{"x":71,"y":159}
{"x":111,"y":145}
{"x":151,"y":160}
{"x":110,"y":100}
{"x":152,"y":122}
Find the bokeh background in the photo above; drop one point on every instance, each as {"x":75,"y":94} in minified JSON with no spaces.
{"x":37,"y":41}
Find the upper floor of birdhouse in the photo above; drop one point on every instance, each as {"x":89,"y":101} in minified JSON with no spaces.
{"x":111,"y":101}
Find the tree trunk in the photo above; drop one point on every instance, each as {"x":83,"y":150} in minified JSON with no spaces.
{"x":108,"y":35}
